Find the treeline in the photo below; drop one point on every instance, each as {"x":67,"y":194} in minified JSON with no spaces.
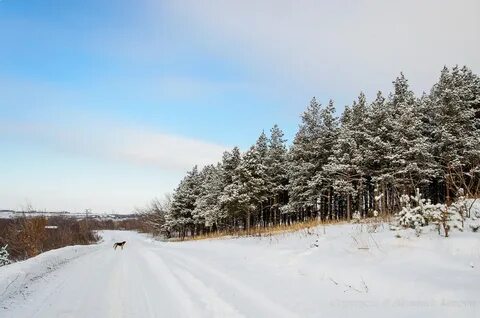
{"x":136,"y":223}
{"x":361,"y":162}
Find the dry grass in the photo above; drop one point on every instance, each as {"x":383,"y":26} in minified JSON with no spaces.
{"x":263,"y":231}
{"x":283,"y":229}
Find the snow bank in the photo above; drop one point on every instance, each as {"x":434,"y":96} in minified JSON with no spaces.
{"x":352,"y":269}
{"x":17,"y":277}
{"x":349,"y":270}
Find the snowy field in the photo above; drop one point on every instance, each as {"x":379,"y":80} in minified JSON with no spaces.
{"x":336,"y":271}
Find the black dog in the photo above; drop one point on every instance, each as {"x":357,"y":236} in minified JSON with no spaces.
{"x":119,"y":244}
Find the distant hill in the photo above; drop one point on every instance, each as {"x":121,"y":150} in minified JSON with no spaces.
{"x":7,"y":214}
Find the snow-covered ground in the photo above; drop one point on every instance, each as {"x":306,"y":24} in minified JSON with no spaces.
{"x":336,"y":271}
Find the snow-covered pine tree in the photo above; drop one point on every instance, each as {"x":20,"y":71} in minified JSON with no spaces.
{"x":277,"y":173}
{"x":345,"y":166}
{"x":412,"y":158}
{"x":228,"y":200}
{"x":416,"y":211}
{"x":379,"y":151}
{"x":207,"y":211}
{"x":263,"y":180}
{"x":180,"y":217}
{"x":248,"y":189}
{"x":303,"y":163}
{"x":321,"y":184}
{"x":455,"y":100}
{"x":230,"y":162}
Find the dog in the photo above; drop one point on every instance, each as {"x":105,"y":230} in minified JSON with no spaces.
{"x":121,"y":244}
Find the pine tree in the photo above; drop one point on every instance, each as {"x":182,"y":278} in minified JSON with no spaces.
{"x":346,"y":165}
{"x":180,"y":217}
{"x":247,"y":190}
{"x":303,"y":158}
{"x":378,"y":152}
{"x":228,"y":201}
{"x":412,"y":154}
{"x":311,"y":150}
{"x":276,"y":170}
{"x":321,"y":184}
{"x":207,"y":211}
{"x":230,"y":162}
{"x":456,"y":99}
{"x":259,"y":171}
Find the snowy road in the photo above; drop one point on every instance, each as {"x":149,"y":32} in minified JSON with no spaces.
{"x":143,"y":280}
{"x":273,"y":277}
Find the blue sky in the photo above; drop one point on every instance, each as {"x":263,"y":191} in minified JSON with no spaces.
{"x":105,"y":104}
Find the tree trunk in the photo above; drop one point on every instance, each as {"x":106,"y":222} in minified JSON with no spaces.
{"x":349,"y":207}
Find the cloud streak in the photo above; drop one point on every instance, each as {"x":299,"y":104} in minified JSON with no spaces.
{"x":121,"y":143}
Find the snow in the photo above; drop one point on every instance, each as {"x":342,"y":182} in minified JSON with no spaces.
{"x":345,"y":270}
{"x":4,"y":255}
{"x":16,"y":279}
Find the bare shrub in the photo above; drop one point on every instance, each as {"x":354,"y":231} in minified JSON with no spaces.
{"x":29,"y":236}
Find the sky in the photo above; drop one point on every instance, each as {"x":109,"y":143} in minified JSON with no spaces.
{"x":106,"y":104}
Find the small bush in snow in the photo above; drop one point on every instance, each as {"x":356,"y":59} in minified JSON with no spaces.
{"x":356,"y":217}
{"x":475,"y":211}
{"x":4,"y":256}
{"x":448,"y":217}
{"x":416,"y":211}
{"x":475,"y":227}
{"x":418,"y":231}
{"x":459,"y":208}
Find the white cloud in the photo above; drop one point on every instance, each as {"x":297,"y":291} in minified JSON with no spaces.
{"x":341,"y":46}
{"x":115,"y":141}
{"x":164,"y":150}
